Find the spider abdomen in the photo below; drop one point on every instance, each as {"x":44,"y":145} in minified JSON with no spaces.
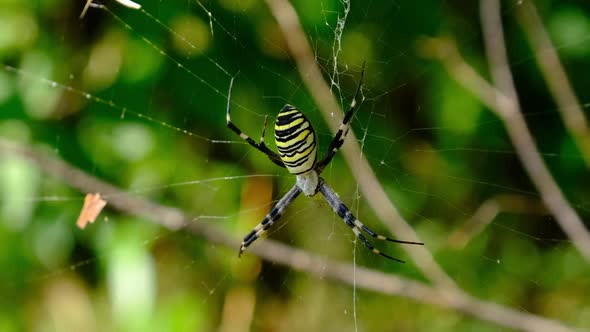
{"x":296,"y":140}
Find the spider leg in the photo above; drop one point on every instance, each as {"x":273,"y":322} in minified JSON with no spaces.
{"x":369,"y":231}
{"x":263,"y":130}
{"x":272,"y":216}
{"x":338,"y":139}
{"x":352,"y":222}
{"x":274,"y":157}
{"x":368,"y":244}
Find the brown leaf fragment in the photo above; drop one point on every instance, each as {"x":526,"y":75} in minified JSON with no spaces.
{"x":93,"y":204}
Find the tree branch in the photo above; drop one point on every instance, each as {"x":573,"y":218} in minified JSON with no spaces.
{"x":175,"y":219}
{"x":508,"y":109}
{"x":556,"y":78}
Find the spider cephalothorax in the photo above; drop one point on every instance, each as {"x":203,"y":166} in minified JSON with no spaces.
{"x":298,"y":145}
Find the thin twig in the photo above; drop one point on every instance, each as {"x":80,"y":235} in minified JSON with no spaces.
{"x":556,"y":78}
{"x":301,"y":51}
{"x":444,"y":49}
{"x":508,"y":109}
{"x":175,"y":219}
{"x":487,"y":213}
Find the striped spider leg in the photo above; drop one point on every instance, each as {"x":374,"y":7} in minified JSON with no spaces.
{"x":351,"y":221}
{"x":272,"y":216}
{"x":338,"y":139}
{"x":260,"y":146}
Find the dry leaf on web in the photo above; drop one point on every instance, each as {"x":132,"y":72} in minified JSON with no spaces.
{"x":93,"y":204}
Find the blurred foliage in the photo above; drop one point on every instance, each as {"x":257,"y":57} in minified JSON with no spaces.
{"x":137,"y":98}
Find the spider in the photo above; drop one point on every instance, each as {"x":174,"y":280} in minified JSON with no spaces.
{"x":297,"y":146}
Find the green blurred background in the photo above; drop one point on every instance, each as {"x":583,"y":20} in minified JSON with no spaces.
{"x":436,"y":150}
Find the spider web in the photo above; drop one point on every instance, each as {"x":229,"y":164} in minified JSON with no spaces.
{"x":137,"y":99}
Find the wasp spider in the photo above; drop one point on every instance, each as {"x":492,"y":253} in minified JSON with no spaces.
{"x":297,"y":144}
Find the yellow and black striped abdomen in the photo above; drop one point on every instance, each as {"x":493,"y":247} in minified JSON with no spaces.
{"x":296,"y":140}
